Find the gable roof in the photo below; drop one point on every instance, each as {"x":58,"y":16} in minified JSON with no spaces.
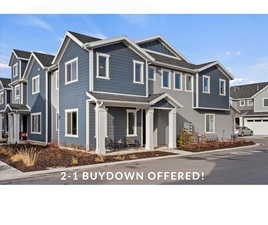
{"x":5,"y":82}
{"x":84,"y":38}
{"x":247,"y":90}
{"x":22,"y":54}
{"x":45,"y":59}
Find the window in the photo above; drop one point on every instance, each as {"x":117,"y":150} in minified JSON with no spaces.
{"x":71,"y":122}
{"x":36,"y":84}
{"x":36,"y":123}
{"x":151,"y":73}
{"x":188,"y":83}
{"x":1,"y":98}
{"x":57,"y":80}
{"x":57,"y":121}
{"x":131,"y":123}
{"x":242,"y":102}
{"x":17,"y":94}
{"x":222,"y":87}
{"x":210,"y":123}
{"x":265,"y":102}
{"x":71,"y":71}
{"x":138,"y":72}
{"x":166,"y":79}
{"x":103,"y":66}
{"x":15,"y":70}
{"x":206,"y":84}
{"x":177,"y":81}
{"x":249,"y":102}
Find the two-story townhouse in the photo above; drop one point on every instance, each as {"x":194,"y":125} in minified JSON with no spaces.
{"x":252,"y":102}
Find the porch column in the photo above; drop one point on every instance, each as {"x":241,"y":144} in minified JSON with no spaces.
{"x":16,"y":117}
{"x":1,"y":126}
{"x":149,"y":145}
{"x":172,"y":129}
{"x":100,"y":118}
{"x":10,"y":128}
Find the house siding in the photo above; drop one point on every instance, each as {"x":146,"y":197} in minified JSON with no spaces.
{"x":14,"y":60}
{"x":258,"y":101}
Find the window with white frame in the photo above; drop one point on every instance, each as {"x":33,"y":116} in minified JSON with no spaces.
{"x":242,"y":102}
{"x":222,"y":87}
{"x":35,"y":84}
{"x":151,"y":73}
{"x":188,"y":82}
{"x":177,"y":81}
{"x":71,"y":122}
{"x":57,"y":121}
{"x":2,"y":98}
{"x":36,"y":123}
{"x":15,"y":70}
{"x":131,"y":123}
{"x":165,"y":79}
{"x":265,"y":102}
{"x":57,"y":79}
{"x":103,"y":65}
{"x":249,"y":102}
{"x":17,"y":94}
{"x":206,"y":84}
{"x":138,"y":72}
{"x":71,"y":71}
{"x":210,"y":123}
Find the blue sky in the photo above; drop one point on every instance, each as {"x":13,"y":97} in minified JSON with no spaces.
{"x":239,"y":42}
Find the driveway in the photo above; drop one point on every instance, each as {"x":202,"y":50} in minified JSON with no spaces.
{"x":247,"y":166}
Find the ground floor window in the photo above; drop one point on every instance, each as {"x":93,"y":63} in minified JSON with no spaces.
{"x":131,"y":123}
{"x":210,"y":123}
{"x":36,"y":123}
{"x":71,"y":122}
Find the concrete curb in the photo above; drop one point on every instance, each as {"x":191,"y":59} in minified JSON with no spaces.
{"x":70,"y":169}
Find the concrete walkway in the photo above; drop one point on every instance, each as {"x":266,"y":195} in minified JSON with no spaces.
{"x":7,"y":171}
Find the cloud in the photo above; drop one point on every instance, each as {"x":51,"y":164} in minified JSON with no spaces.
{"x":35,"y":22}
{"x":137,"y":19}
{"x":98,"y":35}
{"x":238,"y":81}
{"x":232,"y":53}
{"x":4,"y":66}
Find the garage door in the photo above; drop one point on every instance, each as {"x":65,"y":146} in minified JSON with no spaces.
{"x":258,"y":125}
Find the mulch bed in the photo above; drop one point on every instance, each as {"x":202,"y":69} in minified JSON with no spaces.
{"x":54,"y":158}
{"x":207,"y":146}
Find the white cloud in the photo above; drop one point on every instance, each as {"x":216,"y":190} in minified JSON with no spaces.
{"x":97,"y":35}
{"x":232,"y":53}
{"x":137,"y":19}
{"x":241,"y":80}
{"x":227,"y":53}
{"x":238,"y":53}
{"x":36,"y":22}
{"x":4,"y":66}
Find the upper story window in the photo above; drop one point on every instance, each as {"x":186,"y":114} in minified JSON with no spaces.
{"x":103,"y":65}
{"x":71,"y":122}
{"x":57,"y":79}
{"x":249,"y":102}
{"x":210,"y":123}
{"x":36,"y":84}
{"x":265,"y":102}
{"x":206,"y":84}
{"x":222,"y":87}
{"x":17,"y":94}
{"x":15,"y":70}
{"x":242,"y":102}
{"x":2,"y":98}
{"x":188,"y":82}
{"x":36,"y":123}
{"x":165,"y":79}
{"x":138,"y":72}
{"x":71,"y":71}
{"x":177,"y":81}
{"x":152,"y":73}
{"x":131,"y":123}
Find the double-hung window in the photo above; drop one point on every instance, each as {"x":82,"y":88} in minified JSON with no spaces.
{"x":71,"y":71}
{"x":2,"y":98}
{"x":36,"y":123}
{"x":36,"y":84}
{"x":188,"y":82}
{"x":177,"y":81}
{"x":206,"y":84}
{"x":17,"y":94}
{"x":265,"y":102}
{"x":71,"y":122}
{"x":138,"y":68}
{"x":131,"y":123}
{"x":165,"y":79}
{"x":222,"y":87}
{"x":15,"y":70}
{"x":151,"y":73}
{"x":242,"y":102}
{"x":210,"y":123}
{"x":103,"y":66}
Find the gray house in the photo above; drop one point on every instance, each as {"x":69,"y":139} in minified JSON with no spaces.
{"x":99,"y":90}
{"x":251,"y":100}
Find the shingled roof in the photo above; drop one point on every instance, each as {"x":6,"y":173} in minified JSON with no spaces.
{"x":84,"y":38}
{"x":45,"y":59}
{"x":5,"y":82}
{"x":22,"y":54}
{"x":246,"y":91}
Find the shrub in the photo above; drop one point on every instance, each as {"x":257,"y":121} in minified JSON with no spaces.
{"x":27,"y":155}
{"x":99,"y":159}
{"x":132,"y":157}
{"x":186,"y":138}
{"x":119,"y":157}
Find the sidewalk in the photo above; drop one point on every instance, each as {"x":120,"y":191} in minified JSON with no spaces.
{"x":7,"y":171}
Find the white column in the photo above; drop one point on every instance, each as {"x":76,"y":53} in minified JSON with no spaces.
{"x":1,"y":126}
{"x":241,"y":122}
{"x":100,"y":118}
{"x":149,"y":145}
{"x":16,"y":127}
{"x":10,"y":129}
{"x":172,"y":129}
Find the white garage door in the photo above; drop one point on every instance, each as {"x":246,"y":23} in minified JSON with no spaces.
{"x":258,"y":125}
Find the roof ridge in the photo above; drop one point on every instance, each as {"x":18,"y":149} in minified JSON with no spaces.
{"x":243,"y":85}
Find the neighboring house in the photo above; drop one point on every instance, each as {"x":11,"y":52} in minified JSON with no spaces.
{"x":252,"y":102}
{"x":98,"y":90}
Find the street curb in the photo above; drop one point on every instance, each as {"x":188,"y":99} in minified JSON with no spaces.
{"x":70,"y":169}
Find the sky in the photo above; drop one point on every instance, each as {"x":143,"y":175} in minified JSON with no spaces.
{"x":239,"y":42}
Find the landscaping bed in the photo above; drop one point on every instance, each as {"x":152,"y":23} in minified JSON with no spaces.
{"x":33,"y":158}
{"x":207,"y":146}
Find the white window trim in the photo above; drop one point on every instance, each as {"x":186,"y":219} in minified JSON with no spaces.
{"x":57,"y":121}
{"x":2,"y":97}
{"x":203,"y":80}
{"x":17,"y":70}
{"x":154,"y":68}
{"x":224,"y":81}
{"x":57,"y":80}
{"x":15,"y":95}
{"x":174,"y":81}
{"x":134,"y":72}
{"x":36,"y":114}
{"x":70,"y":61}
{"x":135,"y":122}
{"x":192,"y":82}
{"x":240,"y":103}
{"x":107,"y":65}
{"x":67,"y":111}
{"x":169,"y":80}
{"x":263,"y":103}
{"x":38,"y":89}
{"x":214,"y":125}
